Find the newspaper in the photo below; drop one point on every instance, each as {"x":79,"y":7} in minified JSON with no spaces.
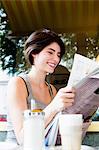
{"x":84,"y":78}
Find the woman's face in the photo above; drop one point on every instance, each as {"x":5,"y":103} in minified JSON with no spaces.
{"x":48,"y":58}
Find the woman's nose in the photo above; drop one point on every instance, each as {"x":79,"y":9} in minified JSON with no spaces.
{"x":56,"y":58}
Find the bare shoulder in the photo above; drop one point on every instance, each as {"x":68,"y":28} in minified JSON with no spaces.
{"x":17,"y":85}
{"x":15,"y":80}
{"x":17,"y":92}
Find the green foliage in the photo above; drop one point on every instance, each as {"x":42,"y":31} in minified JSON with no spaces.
{"x":11,"y":49}
{"x":71,"y":48}
{"x":71,"y":44}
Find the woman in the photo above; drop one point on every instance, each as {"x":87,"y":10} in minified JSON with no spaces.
{"x":43,"y":50}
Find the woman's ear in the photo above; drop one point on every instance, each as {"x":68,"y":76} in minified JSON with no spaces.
{"x":33,"y":55}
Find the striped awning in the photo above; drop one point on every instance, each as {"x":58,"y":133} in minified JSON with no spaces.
{"x":60,"y":15}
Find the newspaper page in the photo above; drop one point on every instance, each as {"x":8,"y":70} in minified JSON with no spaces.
{"x":81,"y":68}
{"x":51,"y":131}
{"x":84,"y":78}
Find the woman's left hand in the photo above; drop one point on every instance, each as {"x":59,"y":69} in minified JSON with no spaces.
{"x":63,"y":99}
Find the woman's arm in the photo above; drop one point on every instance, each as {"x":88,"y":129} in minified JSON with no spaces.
{"x":63,"y":99}
{"x":16,"y":101}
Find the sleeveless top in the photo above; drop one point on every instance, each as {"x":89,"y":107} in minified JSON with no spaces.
{"x":40,"y":105}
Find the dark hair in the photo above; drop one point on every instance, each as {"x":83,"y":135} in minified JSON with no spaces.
{"x":38,"y":40}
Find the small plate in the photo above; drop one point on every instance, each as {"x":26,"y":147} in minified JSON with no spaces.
{"x":83,"y":147}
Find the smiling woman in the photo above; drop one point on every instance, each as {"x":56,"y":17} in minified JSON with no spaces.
{"x":43,"y":50}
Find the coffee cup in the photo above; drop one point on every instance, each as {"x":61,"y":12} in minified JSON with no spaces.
{"x":70,"y":127}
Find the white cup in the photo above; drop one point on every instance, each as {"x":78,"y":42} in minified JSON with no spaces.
{"x":70,"y":127}
{"x":33,"y":130}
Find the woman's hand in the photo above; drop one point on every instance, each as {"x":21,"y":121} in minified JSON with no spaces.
{"x":63,"y":99}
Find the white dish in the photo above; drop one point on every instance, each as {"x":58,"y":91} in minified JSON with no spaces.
{"x":14,"y":146}
{"x":83,"y":147}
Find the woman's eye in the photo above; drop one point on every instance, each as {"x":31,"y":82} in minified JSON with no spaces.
{"x":50,"y":52}
{"x":59,"y":55}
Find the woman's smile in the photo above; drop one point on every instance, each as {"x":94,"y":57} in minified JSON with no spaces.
{"x":52,"y":65}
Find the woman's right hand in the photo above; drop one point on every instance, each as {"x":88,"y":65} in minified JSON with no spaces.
{"x":63,"y":99}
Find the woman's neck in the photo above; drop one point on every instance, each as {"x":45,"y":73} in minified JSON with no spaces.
{"x":37,"y":76}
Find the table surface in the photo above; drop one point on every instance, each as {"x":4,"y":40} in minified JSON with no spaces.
{"x":14,"y":146}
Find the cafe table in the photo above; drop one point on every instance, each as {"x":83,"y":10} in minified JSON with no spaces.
{"x":14,"y":146}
